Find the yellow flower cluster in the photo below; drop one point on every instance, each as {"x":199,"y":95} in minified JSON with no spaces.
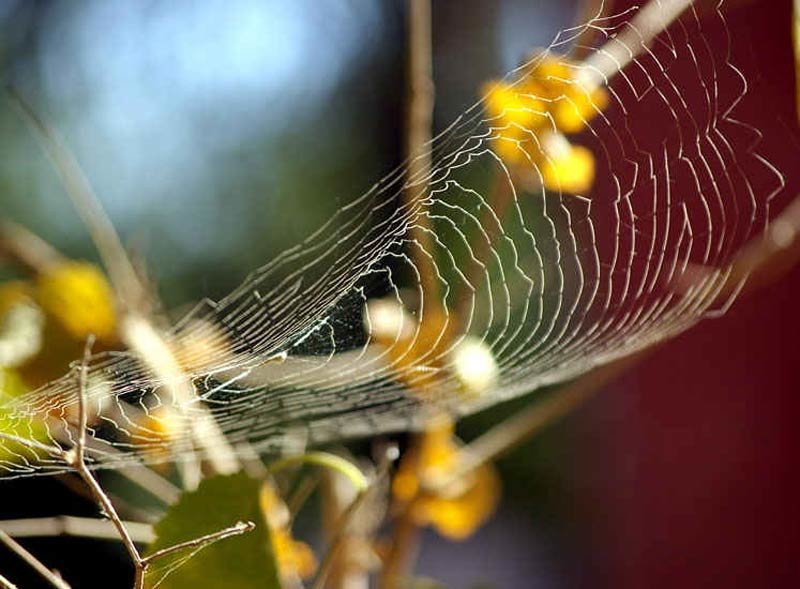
{"x":417,"y":358}
{"x":78,"y":296}
{"x":419,"y":351}
{"x":531,"y":116}
{"x":75,"y":301}
{"x":455,"y":509}
{"x":295,"y":559}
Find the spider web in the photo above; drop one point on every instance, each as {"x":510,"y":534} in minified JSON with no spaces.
{"x":552,"y":283}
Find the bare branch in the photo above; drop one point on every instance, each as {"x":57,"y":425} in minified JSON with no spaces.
{"x":26,"y":248}
{"x":653,"y":18}
{"x":419,"y":117}
{"x":20,"y":551}
{"x":301,"y":493}
{"x":6,"y":584}
{"x":341,"y":530}
{"x":80,"y":527}
{"x":127,"y":285}
{"x":405,"y":543}
{"x":237,"y":529}
{"x":335,"y":569}
{"x":141,"y":335}
{"x":418,"y":137}
{"x":76,"y":458}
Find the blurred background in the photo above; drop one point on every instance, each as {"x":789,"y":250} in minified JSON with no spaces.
{"x":219,"y":133}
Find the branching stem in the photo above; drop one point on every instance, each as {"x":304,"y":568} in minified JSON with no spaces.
{"x":235,"y":530}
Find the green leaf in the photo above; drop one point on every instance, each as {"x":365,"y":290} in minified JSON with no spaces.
{"x":11,"y":386}
{"x":240,"y":562}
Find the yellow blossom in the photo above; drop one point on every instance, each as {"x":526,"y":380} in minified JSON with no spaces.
{"x":570,"y":103}
{"x":78,"y":296}
{"x":547,"y":91}
{"x":295,"y":560}
{"x":551,"y":70}
{"x":50,"y":318}
{"x":420,"y":351}
{"x":509,"y":149}
{"x":514,"y":106}
{"x":164,"y":422}
{"x":547,"y":102}
{"x":514,"y":114}
{"x":155,"y":431}
{"x":576,"y":107}
{"x":292,"y":556}
{"x":566,"y":167}
{"x":455,"y":509}
{"x":416,"y":350}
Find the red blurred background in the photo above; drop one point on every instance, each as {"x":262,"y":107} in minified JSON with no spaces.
{"x":693,"y":454}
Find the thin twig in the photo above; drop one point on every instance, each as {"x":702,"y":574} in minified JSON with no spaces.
{"x":342,"y":529}
{"x":301,"y":493}
{"x":26,"y":248}
{"x":75,"y":484}
{"x":76,"y":458}
{"x":326,"y":460}
{"x":235,"y":530}
{"x":141,"y":335}
{"x":6,"y":584}
{"x":80,"y":527}
{"x":605,"y":63}
{"x":128,"y":287}
{"x":34,"y":562}
{"x":405,"y":537}
{"x":405,"y":542}
{"x":418,"y":136}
